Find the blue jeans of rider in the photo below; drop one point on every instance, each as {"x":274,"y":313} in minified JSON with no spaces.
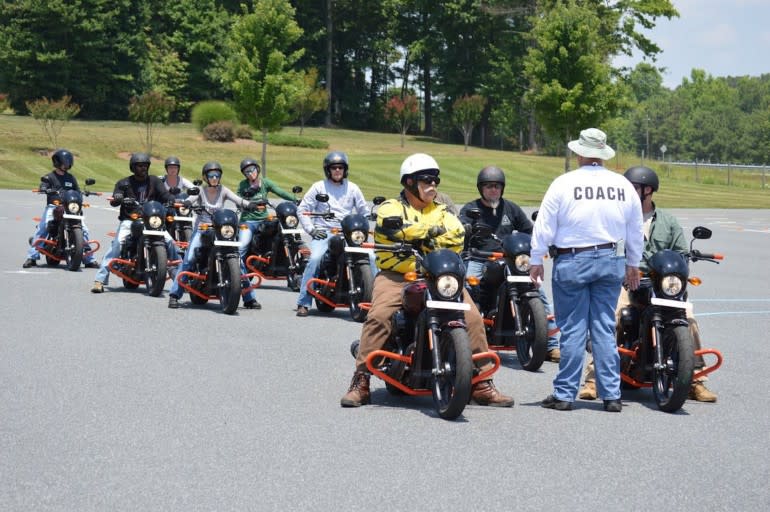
{"x":475,"y":269}
{"x":42,"y":232}
{"x":189,"y":260}
{"x":586,"y":286}
{"x":317,"y":250}
{"x":124,"y":229}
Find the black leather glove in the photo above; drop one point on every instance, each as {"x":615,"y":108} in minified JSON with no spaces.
{"x":318,"y":234}
{"x":187,"y":203}
{"x":436,"y":231}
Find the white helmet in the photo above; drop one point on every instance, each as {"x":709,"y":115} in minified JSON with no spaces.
{"x":417,"y":163}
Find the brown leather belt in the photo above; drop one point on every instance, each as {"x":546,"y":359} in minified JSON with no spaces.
{"x":574,"y":250}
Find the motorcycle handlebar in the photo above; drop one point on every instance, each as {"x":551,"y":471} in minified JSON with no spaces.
{"x":492,"y":255}
{"x":696,"y":255}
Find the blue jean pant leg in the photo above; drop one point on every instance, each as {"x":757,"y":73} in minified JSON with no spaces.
{"x":246,"y":235}
{"x":189,"y":260}
{"x":585,"y":290}
{"x":86,"y":238}
{"x":40,"y":232}
{"x":317,"y":250}
{"x":553,"y":340}
{"x":245,"y":283}
{"x":103,"y":274}
{"x":474,"y":268}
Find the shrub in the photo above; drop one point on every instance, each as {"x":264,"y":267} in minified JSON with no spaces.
{"x":149,"y":109}
{"x":220,"y":131}
{"x":53,"y":115}
{"x":243,"y":131}
{"x":211,"y":111}
{"x":4,"y":102}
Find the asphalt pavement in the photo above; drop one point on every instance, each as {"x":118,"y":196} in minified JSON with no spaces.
{"x":114,"y":402}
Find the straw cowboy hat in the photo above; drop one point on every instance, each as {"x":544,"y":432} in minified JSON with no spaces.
{"x":592,"y":144}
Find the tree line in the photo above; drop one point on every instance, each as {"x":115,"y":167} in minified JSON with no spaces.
{"x":518,"y":74}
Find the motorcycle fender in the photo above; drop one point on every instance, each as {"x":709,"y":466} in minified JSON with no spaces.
{"x":360,"y":250}
{"x":151,"y":232}
{"x":454,"y":306}
{"x":72,"y":217}
{"x":227,"y":243}
{"x":655,"y":301}
{"x":292,"y":232}
{"x":530,"y":294}
{"x":519,"y":279}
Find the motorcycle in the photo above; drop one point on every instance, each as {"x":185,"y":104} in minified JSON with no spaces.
{"x":654,"y":341}
{"x":429,"y":350}
{"x":143,"y":254}
{"x":64,"y":241}
{"x":345,"y":278}
{"x":277,"y":251}
{"x":514,"y":315}
{"x":217,"y":270}
{"x":179,"y":218}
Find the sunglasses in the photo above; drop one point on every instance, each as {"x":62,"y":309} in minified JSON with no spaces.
{"x":428,"y":178}
{"x":251,"y":170}
{"x":492,"y":185}
{"x":337,"y":167}
{"x":212,"y":175}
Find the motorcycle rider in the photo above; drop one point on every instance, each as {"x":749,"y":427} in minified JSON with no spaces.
{"x":423,"y":217}
{"x":661,"y":231}
{"x":344,"y":198}
{"x":51,"y":184}
{"x":140,"y":187}
{"x":172,"y":178}
{"x":254,"y":188}
{"x":212,"y":197}
{"x":503,"y":217}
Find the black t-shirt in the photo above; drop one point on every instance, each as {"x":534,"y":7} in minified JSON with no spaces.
{"x":151,"y":189}
{"x":57,"y":183}
{"x":504,"y":220}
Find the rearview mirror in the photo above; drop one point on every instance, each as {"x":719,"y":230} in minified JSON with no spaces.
{"x":296,"y":189}
{"x":701,"y":233}
{"x":378,"y":200}
{"x":90,"y":181}
{"x":322,"y":198}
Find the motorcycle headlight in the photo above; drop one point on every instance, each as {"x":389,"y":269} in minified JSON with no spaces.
{"x":671,"y":285}
{"x":358,"y":237}
{"x":447,"y":286}
{"x":291,"y":221}
{"x":183,"y":210}
{"x":522,"y":262}
{"x":155,"y":221}
{"x":73,"y":208}
{"x":227,"y":231}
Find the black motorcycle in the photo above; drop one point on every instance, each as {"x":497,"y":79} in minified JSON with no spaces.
{"x":179,"y":218}
{"x":656,"y":347}
{"x":64,"y":241}
{"x":143,"y":253}
{"x":345,"y":278}
{"x":277,"y":251}
{"x":509,"y":302}
{"x":429,"y":351}
{"x":217,"y":270}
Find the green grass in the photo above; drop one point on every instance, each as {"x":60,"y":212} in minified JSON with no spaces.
{"x":101,"y":151}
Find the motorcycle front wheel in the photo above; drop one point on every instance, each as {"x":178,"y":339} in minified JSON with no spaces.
{"x":532,"y":347}
{"x":155,"y":279}
{"x":73,"y":249}
{"x":452,"y":385}
{"x":230,"y":286}
{"x":362,"y":276}
{"x":671,"y":384}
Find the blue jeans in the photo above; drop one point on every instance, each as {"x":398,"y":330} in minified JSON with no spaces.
{"x":42,"y":232}
{"x":475,"y":269}
{"x":124,"y":229}
{"x":189,"y":261}
{"x":586,"y":287}
{"x":317,"y":250}
{"x":245,"y":236}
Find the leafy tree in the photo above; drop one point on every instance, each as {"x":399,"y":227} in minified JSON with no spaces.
{"x":167,"y":74}
{"x":53,"y":115}
{"x":503,"y":120}
{"x":149,"y":109}
{"x":258,"y":69}
{"x":402,"y":112}
{"x":571,"y":84}
{"x":466,"y":113}
{"x":90,"y":50}
{"x":310,"y":98}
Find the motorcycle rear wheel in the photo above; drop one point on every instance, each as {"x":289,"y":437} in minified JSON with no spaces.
{"x":532,"y":347}
{"x":155,"y":280}
{"x":452,"y":390}
{"x":362,"y":276}
{"x":671,"y":385}
{"x":230,"y":293}
{"x":73,"y":251}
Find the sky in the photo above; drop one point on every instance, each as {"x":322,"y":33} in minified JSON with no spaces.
{"x":723,"y":37}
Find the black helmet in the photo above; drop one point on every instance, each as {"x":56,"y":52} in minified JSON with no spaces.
{"x":248,"y":162}
{"x":62,"y":159}
{"x":642,"y":176}
{"x":172,"y":160}
{"x":490,"y":174}
{"x":138,"y":158}
{"x":211,"y":166}
{"x":335,"y":157}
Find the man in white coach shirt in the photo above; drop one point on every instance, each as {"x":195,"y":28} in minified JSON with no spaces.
{"x":591,"y":220}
